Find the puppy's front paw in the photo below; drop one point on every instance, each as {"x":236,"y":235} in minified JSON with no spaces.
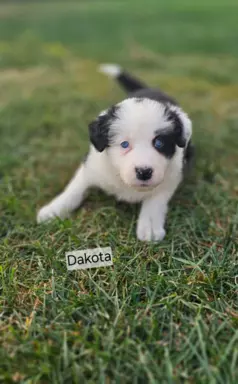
{"x":146,"y":231}
{"x":49,"y":212}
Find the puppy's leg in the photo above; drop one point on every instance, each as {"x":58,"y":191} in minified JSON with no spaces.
{"x":62,"y":205}
{"x":150,"y":225}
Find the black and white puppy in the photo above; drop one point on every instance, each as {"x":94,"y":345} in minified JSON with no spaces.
{"x":138,"y":151}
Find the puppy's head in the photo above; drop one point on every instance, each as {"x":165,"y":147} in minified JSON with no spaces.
{"x":141,"y":136}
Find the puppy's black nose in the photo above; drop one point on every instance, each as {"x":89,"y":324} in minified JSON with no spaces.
{"x":144,"y":173}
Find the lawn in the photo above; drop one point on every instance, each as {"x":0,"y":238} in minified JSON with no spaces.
{"x":165,"y":313}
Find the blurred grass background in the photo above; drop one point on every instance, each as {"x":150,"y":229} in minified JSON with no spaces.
{"x":167,"y":312}
{"x":102,"y":29}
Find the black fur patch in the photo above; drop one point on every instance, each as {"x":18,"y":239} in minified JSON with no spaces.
{"x":170,"y":137}
{"x":169,"y":143}
{"x":138,"y":89}
{"x":153,"y":94}
{"x":189,"y":155}
{"x":99,"y":129}
{"x":178,"y":126}
{"x":129,"y":82}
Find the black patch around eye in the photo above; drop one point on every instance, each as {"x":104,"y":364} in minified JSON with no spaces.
{"x":169,"y":144}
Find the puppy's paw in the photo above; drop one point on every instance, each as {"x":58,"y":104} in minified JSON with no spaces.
{"x":159,"y":234}
{"x":146,"y":231}
{"x":50,"y":212}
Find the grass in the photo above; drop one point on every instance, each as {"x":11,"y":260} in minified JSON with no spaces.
{"x":166,"y":313}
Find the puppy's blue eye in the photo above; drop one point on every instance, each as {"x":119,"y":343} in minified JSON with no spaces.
{"x":125,"y":144}
{"x":158,"y":143}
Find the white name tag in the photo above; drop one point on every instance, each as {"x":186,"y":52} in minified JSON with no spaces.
{"x":89,"y":258}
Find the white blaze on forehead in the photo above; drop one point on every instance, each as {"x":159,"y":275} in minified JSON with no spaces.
{"x":141,"y":111}
{"x":140,"y":117}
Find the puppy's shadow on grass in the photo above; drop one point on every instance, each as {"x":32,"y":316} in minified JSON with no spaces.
{"x":98,"y":199}
{"x":103,"y":219}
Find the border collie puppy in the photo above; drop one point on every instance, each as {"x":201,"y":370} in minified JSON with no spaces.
{"x":138,"y":151}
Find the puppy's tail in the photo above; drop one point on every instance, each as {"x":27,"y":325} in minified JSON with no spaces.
{"x":128,"y":82}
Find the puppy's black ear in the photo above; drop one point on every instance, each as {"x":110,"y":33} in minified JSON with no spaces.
{"x":98,"y":133}
{"x":99,"y":129}
{"x":182,"y":126}
{"x":179,"y":132}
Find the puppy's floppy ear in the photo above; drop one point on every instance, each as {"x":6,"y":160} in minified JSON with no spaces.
{"x":182,"y":125}
{"x":99,"y":129}
{"x":98,"y":133}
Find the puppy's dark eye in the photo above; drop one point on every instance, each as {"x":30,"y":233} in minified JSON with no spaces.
{"x":125,"y":144}
{"x":158,"y":143}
